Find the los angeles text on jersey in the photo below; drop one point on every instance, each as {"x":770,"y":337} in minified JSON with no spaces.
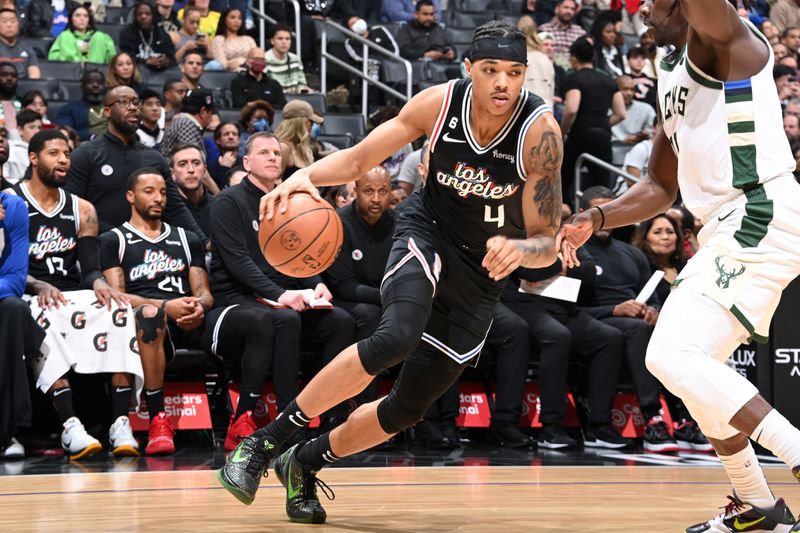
{"x":155,"y":263}
{"x":472,"y":181}
{"x":49,"y":240}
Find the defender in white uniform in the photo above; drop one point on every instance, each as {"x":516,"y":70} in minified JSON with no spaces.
{"x":723,"y":146}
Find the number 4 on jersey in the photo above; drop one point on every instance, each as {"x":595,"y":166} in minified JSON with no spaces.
{"x":500,"y":219}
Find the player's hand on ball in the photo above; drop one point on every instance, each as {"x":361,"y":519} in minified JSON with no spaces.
{"x":503,"y":256}
{"x":294,"y":300}
{"x":278,"y":197}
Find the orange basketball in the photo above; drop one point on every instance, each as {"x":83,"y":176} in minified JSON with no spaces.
{"x":304,"y":240}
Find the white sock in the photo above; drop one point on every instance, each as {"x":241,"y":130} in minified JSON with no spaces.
{"x":747,"y":478}
{"x":779,"y":436}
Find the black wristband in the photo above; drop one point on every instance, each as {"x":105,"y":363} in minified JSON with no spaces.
{"x":602,"y":216}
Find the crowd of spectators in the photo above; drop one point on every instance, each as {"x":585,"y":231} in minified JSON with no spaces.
{"x":148,"y":153}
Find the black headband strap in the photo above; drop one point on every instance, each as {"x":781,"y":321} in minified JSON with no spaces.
{"x":511,"y":49}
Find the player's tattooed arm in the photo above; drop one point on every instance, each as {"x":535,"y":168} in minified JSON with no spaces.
{"x":90,"y":224}
{"x":198,"y":281}
{"x":545,"y":160}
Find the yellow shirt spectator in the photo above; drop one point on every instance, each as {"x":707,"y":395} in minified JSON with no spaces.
{"x":208,"y":24}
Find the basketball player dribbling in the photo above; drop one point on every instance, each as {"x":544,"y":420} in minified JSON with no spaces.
{"x":722,"y":145}
{"x":492,"y":203}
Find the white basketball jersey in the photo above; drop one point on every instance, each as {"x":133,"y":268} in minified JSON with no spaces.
{"x":728,"y":136}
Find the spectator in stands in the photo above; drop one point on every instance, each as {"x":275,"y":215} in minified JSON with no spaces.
{"x":356,"y":14}
{"x":188,"y":39}
{"x":635,"y":164}
{"x":412,"y":172}
{"x":35,"y":101}
{"x":57,"y":277}
{"x":192,"y":69}
{"x":71,"y":135}
{"x":540,"y":76}
{"x":608,"y":56}
{"x":785,"y":14}
{"x":790,"y":38}
{"x":394,"y":163}
{"x":255,"y":84}
{"x":560,"y":329}
{"x":645,"y":86}
{"x":771,"y":32}
{"x":235,"y":176}
{"x":398,"y":196}
{"x":227,"y":140}
{"x":21,"y":55}
{"x":231,"y":44}
{"x":240,"y":273}
{"x":20,"y":335}
{"x":284,"y":66}
{"x":123,"y":70}
{"x":686,"y":222}
{"x":209,"y":21}
{"x":86,"y":115}
{"x":780,"y":51}
{"x":174,"y":91}
{"x":101,"y":166}
{"x":255,"y":116}
{"x":29,"y":123}
{"x":44,"y":18}
{"x":80,"y":42}
{"x":548,"y":49}
{"x":654,"y":53}
{"x":197,"y":112}
{"x":297,"y":128}
{"x":638,"y":123}
{"x":10,"y":105}
{"x":622,"y":272}
{"x":591,"y":96}
{"x":403,"y":10}
{"x":188,"y":166}
{"x":145,"y":41}
{"x":424,"y":38}
{"x":786,"y":83}
{"x":150,"y":133}
{"x":564,"y":32}
{"x":178,"y":298}
{"x":791,"y":127}
{"x":166,"y":17}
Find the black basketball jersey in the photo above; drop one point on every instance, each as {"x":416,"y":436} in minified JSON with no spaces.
{"x":53,"y":236}
{"x":154,"y":268}
{"x":474,"y":192}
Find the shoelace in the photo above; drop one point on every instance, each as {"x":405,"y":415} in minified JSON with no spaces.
{"x":731,"y":507}
{"x":310,"y":487}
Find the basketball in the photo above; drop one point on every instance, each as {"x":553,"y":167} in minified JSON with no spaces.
{"x":304,"y":240}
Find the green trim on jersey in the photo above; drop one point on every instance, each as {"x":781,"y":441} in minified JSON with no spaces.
{"x":669,"y":62}
{"x":759,"y":211}
{"x":743,"y":161}
{"x":701,"y":79}
{"x":737,"y":313}
{"x":746,"y":126}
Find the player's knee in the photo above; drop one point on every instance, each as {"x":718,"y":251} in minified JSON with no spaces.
{"x":396,"y":414}
{"x":151,"y":322}
{"x":389,"y":345}
{"x":659,"y":360}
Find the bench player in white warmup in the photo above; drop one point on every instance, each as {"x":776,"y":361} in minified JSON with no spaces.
{"x":722,"y":145}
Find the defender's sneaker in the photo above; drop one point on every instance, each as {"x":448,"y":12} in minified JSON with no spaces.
{"x":77,"y":443}
{"x":161,"y":436}
{"x":739,"y":516}
{"x":14,"y":450}
{"x":242,"y":472}
{"x":302,"y":504}
{"x":242,"y":427}
{"x":120,"y":436}
{"x":605,"y":437}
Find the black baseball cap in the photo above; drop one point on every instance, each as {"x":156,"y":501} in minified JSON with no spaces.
{"x":199,"y":98}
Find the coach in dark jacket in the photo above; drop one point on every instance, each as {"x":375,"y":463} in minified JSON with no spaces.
{"x":100,"y":168}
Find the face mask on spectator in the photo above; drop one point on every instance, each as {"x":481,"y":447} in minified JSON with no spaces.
{"x":261,"y":124}
{"x":315,"y":131}
{"x":258,"y":66}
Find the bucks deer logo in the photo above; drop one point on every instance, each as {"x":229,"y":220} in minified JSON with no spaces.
{"x":727,"y":275}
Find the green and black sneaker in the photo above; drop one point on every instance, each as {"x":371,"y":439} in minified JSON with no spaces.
{"x":302,"y":504}
{"x":242,"y":471}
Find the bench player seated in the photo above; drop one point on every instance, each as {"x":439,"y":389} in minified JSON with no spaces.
{"x":160,"y":268}
{"x":84,"y":332}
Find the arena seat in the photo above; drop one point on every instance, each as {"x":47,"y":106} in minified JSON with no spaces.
{"x":339,"y":141}
{"x":395,"y":71}
{"x":316,"y":100}
{"x":53,"y":106}
{"x":160,"y":76}
{"x":229,"y":115}
{"x":95,"y":66}
{"x":69,"y":89}
{"x":111,"y":29}
{"x":48,"y":87}
{"x":60,"y":70}
{"x":344,"y":123}
{"x":470,"y":20}
{"x":441,"y":72}
{"x":461,"y":35}
{"x":40,"y":45}
{"x":117,"y":15}
{"x":276,"y":120}
{"x":472,"y":5}
{"x":217,"y":79}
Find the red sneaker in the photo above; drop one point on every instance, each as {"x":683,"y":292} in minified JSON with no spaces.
{"x":160,"y":437}
{"x":242,"y":427}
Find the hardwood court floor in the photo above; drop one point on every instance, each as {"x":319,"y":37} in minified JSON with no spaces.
{"x":383,"y":500}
